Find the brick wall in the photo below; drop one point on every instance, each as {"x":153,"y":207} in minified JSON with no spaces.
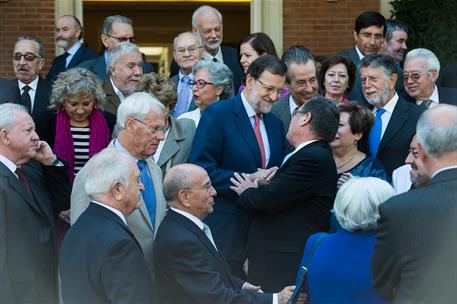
{"x":323,"y":27}
{"x":20,"y":17}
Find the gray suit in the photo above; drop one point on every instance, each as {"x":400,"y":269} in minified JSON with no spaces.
{"x":281,"y":109}
{"x":112,"y":100}
{"x":178,"y":143}
{"x":139,"y":221}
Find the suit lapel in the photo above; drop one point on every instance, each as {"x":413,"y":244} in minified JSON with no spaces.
{"x":245,"y":129}
{"x":112,"y":98}
{"x":171,"y":147}
{"x":76,"y":58}
{"x":398,"y":118}
{"x":41,"y":99}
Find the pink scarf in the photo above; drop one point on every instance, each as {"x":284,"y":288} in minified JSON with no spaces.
{"x":63,"y":145}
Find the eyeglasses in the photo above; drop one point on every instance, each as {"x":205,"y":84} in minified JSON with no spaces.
{"x":269,"y":89}
{"x":206,"y":187}
{"x":376,"y":37}
{"x":151,"y":128}
{"x":200,"y":83}
{"x":27,"y":56}
{"x":123,"y":39}
{"x":414,"y":152}
{"x":190,"y":49}
{"x":414,"y":75}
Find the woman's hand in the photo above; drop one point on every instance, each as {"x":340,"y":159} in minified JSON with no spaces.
{"x":343,"y":178}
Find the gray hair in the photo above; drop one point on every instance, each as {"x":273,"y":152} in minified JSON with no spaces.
{"x":36,"y":39}
{"x":119,"y":50}
{"x":385,"y":62}
{"x":104,"y":170}
{"x":107,"y":26}
{"x":296,"y":54}
{"x":219,"y":74}
{"x":203,"y":9}
{"x":438,"y":136}
{"x":196,"y":36}
{"x":432,"y":61}
{"x":74,"y":82}
{"x":8,"y":114}
{"x":357,"y":201}
{"x":137,"y":105}
{"x":393,"y":25}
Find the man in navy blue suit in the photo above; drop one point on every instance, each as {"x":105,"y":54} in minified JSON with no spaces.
{"x":240,"y":135}
{"x":100,"y":260}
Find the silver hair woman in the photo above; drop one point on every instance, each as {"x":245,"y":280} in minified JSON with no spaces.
{"x":339,"y":263}
{"x":213,"y":81}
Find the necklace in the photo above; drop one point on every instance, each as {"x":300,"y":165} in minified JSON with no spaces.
{"x":348,"y":161}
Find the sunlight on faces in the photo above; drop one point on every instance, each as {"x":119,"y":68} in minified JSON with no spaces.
{"x":247,"y":55}
{"x":261,"y":97}
{"x":200,"y":194}
{"x":344,"y":137}
{"x":79,"y":108}
{"x":133,"y":189}
{"x":396,"y":47}
{"x":303,"y":81}
{"x":120,"y":30}
{"x":27,"y":71}
{"x":205,"y":96}
{"x":127,"y":72}
{"x":369,"y":40}
{"x":423,"y":86}
{"x":375,"y":86}
{"x":336,"y":81}
{"x":66,"y":32}
{"x":210,"y":29}
{"x":187,"y":51}
{"x":147,"y":141}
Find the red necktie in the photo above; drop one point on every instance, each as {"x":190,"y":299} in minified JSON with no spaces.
{"x":258,"y":135}
{"x":23,"y":181}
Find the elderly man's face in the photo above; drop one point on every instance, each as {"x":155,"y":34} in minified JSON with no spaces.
{"x":261,"y":93}
{"x":418,"y":80}
{"x":377,"y":87}
{"x":303,"y":81}
{"x":210,"y":29}
{"x":67,"y":32}
{"x":369,"y":39}
{"x":417,"y":174}
{"x":133,"y":190}
{"x":127,"y":72}
{"x":396,"y":47}
{"x":187,"y":51}
{"x":27,"y":70}
{"x":201,"y":194}
{"x":119,"y":32}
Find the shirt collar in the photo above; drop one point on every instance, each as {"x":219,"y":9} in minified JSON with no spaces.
{"x":434,"y":97}
{"x":208,"y":56}
{"x":114,"y":210}
{"x":249,"y":110}
{"x":33,"y":85}
{"x":9,"y":164}
{"x":117,"y":91}
{"x":390,"y":105}
{"x":359,"y":53}
{"x":189,"y":216}
{"x":292,"y":104}
{"x":74,"y":48}
{"x":181,"y":75}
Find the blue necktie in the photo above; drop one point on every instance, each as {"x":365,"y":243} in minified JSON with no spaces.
{"x":374,"y":138}
{"x":149,"y":196}
{"x":183,"y":97}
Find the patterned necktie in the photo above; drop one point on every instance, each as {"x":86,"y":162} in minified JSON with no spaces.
{"x":258,"y":135}
{"x":374,"y":138}
{"x":427,"y":103}
{"x":148,"y":194}
{"x":207,"y":231}
{"x":183,"y":97}
{"x":25,"y":98}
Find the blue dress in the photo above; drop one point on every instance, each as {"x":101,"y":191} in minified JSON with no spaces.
{"x":339,"y":271}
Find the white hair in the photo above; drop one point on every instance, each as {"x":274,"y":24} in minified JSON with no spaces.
{"x":357,"y":201}
{"x":204,"y":9}
{"x":104,"y":170}
{"x":8,"y":114}
{"x":432,"y":61}
{"x":196,"y":36}
{"x":138,"y":105}
{"x":120,"y":49}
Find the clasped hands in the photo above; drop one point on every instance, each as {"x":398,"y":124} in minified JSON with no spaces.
{"x":283,"y":296}
{"x":251,"y":180}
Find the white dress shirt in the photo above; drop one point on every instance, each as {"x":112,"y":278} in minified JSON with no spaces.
{"x":71,"y":52}
{"x":32,"y":92}
{"x":389,"y":107}
{"x":434,"y":98}
{"x":115,"y":211}
{"x":207,"y":56}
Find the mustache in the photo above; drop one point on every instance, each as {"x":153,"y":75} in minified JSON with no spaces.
{"x":135,"y":78}
{"x":23,"y":68}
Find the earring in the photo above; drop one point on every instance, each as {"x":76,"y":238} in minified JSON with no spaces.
{"x":355,"y":142}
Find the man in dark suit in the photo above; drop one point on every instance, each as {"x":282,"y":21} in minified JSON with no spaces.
{"x":187,"y":50}
{"x":301,"y":79}
{"x":34,"y":186}
{"x":449,"y":76}
{"x":240,"y":135}
{"x":101,"y":261}
{"x":421,"y":71}
{"x":189,"y":266}
{"x":415,"y":256}
{"x":125,"y":72}
{"x":69,"y":32}
{"x":297,"y":201}
{"x":395,"y":118}
{"x":369,"y":32}
{"x":115,"y":29}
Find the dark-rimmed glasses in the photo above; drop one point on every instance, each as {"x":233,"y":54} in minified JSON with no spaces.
{"x":200,"y":83}
{"x":269,"y":89}
{"x":123,"y":39}
{"x":151,"y":128}
{"x":414,"y":75}
{"x":190,"y":49}
{"x":27,"y":56}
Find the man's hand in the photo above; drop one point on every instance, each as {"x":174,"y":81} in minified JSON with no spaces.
{"x":246,"y":267}
{"x":263,"y":176}
{"x":249,"y":287}
{"x":242,"y":182}
{"x":301,"y":298}
{"x":65,"y":216}
{"x":285,"y":294}
{"x":44,"y":154}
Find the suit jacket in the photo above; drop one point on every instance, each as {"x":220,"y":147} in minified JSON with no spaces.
{"x":101,"y":261}
{"x":231,"y":59}
{"x":112,"y":100}
{"x":98,"y":67}
{"x":283,"y":220}
{"x":394,"y":146}
{"x":282,"y":110}
{"x":28,"y":261}
{"x":192,"y":105}
{"x":225,"y":143}
{"x":445,"y":95}
{"x":448,"y":77}
{"x":9,"y":92}
{"x":178,"y":143}
{"x":139,"y":221}
{"x":59,"y":62}
{"x":414,"y":259}
{"x":203,"y":275}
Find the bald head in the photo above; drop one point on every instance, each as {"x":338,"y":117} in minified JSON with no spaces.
{"x":178,"y":178}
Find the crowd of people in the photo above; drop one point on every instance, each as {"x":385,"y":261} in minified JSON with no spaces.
{"x":244,"y":177}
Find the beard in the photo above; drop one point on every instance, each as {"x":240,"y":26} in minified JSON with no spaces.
{"x":62,"y":43}
{"x":380,"y":99}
